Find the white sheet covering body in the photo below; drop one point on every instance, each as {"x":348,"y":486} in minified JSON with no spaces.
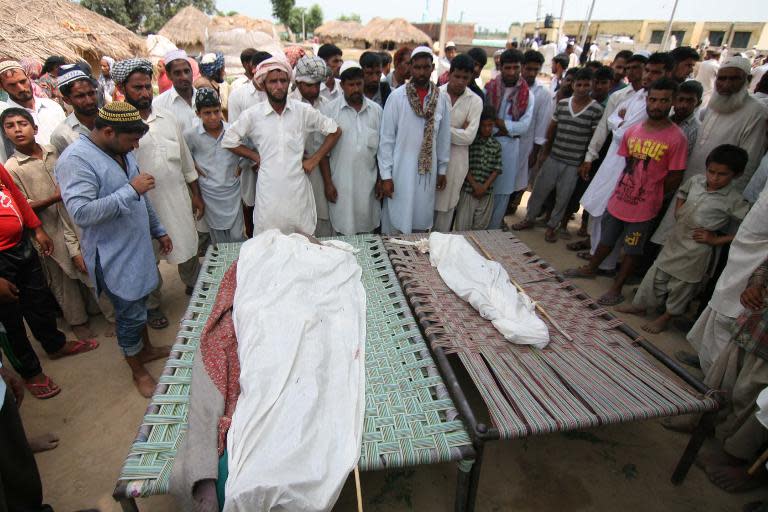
{"x":486,"y":286}
{"x":299,"y":315}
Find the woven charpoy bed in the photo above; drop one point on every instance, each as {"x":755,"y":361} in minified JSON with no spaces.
{"x":410,"y":418}
{"x":601,"y":376}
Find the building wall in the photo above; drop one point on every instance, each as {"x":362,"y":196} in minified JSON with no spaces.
{"x":457,"y":32}
{"x":646,"y":33}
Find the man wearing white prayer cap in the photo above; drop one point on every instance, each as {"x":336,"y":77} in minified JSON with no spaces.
{"x":414,"y":149}
{"x":733,"y":116}
{"x":179,"y":100}
{"x":273,"y":135}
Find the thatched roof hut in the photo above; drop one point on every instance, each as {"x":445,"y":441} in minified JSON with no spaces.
{"x":335,"y":31}
{"x":390,"y":33}
{"x":231,"y":34}
{"x":239,"y":21}
{"x":187,"y":29}
{"x":41,"y":28}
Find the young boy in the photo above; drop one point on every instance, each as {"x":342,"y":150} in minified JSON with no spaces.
{"x":656,"y":153}
{"x":219,"y":179}
{"x":705,"y":204}
{"x":568,"y":136}
{"x":31,"y":168}
{"x":476,"y":198}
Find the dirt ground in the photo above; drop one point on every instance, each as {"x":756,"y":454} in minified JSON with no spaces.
{"x":623,"y":467}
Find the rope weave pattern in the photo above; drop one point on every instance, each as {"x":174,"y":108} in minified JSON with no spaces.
{"x":599,"y":378}
{"x":409,"y":417}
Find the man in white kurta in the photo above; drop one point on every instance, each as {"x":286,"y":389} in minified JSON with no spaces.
{"x":179,"y":100}
{"x":350,"y":174}
{"x":505,"y":94}
{"x":277,"y":130}
{"x":536,"y":136}
{"x":309,"y":73}
{"x":408,"y":189}
{"x":707,"y":73}
{"x":466,"y":107}
{"x":163,"y":153}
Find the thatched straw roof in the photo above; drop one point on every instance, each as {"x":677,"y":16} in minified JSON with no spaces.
{"x":225,"y":23}
{"x":187,"y":27}
{"x":396,"y":30}
{"x":336,"y":29}
{"x":41,"y":28}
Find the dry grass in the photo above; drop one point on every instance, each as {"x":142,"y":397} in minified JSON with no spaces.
{"x":187,"y":28}
{"x":41,"y":28}
{"x":335,"y":30}
{"x":396,"y":30}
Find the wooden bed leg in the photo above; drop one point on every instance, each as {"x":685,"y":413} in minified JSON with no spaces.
{"x":474,"y":475}
{"x":129,"y":505}
{"x":694,"y":445}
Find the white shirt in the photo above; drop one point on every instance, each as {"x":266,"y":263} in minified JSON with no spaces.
{"x":170,"y":101}
{"x":536,"y":134}
{"x":353,"y":166}
{"x":241,"y":100}
{"x":164,"y":154}
{"x":67,"y":132}
{"x":706,"y":75}
{"x":467,"y":108}
{"x":757,"y":75}
{"x":328,"y":94}
{"x":284,"y":197}
{"x":47,"y":115}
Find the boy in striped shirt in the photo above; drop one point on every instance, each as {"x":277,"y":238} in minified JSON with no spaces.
{"x":568,"y":136}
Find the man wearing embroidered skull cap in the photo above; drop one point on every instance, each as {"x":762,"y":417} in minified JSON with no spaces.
{"x":414,"y":149}
{"x":105,"y":194}
{"x":277,"y":130}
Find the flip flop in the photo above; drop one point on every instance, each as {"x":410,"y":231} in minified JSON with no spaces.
{"x":579,"y":273}
{"x":610,"y":300}
{"x":156,"y":319}
{"x":522,"y":225}
{"x":581,"y":245}
{"x":43,"y":390}
{"x":78,"y":347}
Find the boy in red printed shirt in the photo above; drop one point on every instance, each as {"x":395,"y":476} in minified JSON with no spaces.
{"x":656,"y":153}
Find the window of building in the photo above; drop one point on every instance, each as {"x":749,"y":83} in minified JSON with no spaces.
{"x":716,"y":37}
{"x":658,"y":35}
{"x":741,"y":39}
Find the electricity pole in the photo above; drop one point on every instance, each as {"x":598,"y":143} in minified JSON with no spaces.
{"x":668,"y":31}
{"x":443,"y":27}
{"x":561,"y":25}
{"x":585,"y":31}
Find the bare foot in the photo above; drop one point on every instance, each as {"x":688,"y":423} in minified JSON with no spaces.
{"x":631,"y":309}
{"x":145,"y":383}
{"x":148,"y":354}
{"x":44,"y":442}
{"x":82,"y":331}
{"x":718,"y":457}
{"x":734,"y":478}
{"x":657,"y":326}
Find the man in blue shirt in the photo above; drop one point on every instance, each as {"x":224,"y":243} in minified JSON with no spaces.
{"x":104,"y":194}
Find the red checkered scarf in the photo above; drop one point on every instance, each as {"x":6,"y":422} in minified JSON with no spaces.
{"x":517,"y":100}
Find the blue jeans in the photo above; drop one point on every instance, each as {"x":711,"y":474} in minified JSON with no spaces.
{"x":130,"y":317}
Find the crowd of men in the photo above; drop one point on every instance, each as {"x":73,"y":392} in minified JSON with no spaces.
{"x":103,"y":179}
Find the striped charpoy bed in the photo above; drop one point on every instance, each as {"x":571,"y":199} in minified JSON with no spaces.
{"x":409,"y":417}
{"x":600,"y":377}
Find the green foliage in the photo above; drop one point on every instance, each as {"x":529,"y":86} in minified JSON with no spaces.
{"x":144,"y":15}
{"x":281,"y":9}
{"x":313,"y":18}
{"x":353,"y":16}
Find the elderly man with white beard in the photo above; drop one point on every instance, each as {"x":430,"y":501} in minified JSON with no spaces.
{"x":733,"y":116}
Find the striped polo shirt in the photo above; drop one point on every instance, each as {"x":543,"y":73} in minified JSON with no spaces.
{"x":574,"y":131}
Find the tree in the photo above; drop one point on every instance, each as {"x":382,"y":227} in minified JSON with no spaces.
{"x":144,"y":15}
{"x":353,"y":16}
{"x":313,"y":18}
{"x":281,"y":9}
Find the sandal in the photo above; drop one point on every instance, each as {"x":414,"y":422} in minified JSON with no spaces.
{"x":585,"y":255}
{"x":43,"y":390}
{"x":578,"y":272}
{"x":522,"y":225}
{"x":156,"y":319}
{"x":581,"y":245}
{"x":610,"y":300}
{"x":76,"y":347}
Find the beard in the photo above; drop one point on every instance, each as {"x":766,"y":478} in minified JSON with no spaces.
{"x":279,"y":99}
{"x":139,"y":104}
{"x":727,"y":104}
